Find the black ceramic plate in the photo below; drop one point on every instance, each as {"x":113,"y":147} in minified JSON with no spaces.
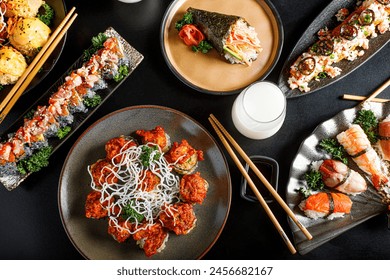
{"x":135,"y":59}
{"x":327,"y":19}
{"x":90,"y":236}
{"x":210,"y":73}
{"x":60,"y":13}
{"x":365,"y":205}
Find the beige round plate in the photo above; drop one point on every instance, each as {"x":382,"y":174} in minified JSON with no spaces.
{"x":211,"y":73}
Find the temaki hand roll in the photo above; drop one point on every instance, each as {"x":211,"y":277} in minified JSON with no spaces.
{"x":232,"y":36}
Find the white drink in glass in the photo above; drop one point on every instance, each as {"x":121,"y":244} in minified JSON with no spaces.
{"x":259,"y":110}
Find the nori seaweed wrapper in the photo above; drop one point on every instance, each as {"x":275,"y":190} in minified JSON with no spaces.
{"x":215,"y":26}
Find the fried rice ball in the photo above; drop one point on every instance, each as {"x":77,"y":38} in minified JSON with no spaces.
{"x":12,"y":65}
{"x":22,"y":8}
{"x":28,"y":35}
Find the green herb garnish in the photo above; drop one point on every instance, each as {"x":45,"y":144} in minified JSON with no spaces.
{"x":62,"y":132}
{"x":123,"y":71}
{"x":187,"y":19}
{"x":92,"y":101}
{"x":97,"y":43}
{"x":332,"y":147}
{"x":146,"y":155}
{"x":48,"y":15}
{"x":203,"y":47}
{"x":368,"y":122}
{"x":36,"y":161}
{"x":314,"y":182}
{"x":30,"y":114}
{"x":321,"y":75}
{"x":130,"y":213}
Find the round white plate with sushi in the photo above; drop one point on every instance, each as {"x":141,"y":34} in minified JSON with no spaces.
{"x":90,"y":236}
{"x":352,"y":191}
{"x":212,"y":72}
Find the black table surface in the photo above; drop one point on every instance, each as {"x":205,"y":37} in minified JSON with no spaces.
{"x":30,"y":222}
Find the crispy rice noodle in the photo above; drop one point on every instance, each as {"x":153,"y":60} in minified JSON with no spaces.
{"x":130,"y":173}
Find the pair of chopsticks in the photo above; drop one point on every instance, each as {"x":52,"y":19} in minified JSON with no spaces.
{"x":371,"y":97}
{"x":222,"y":133}
{"x":28,"y":75}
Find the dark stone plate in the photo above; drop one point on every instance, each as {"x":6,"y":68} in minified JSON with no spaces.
{"x":135,"y":58}
{"x":90,"y":236}
{"x":327,"y":19}
{"x":365,"y":205}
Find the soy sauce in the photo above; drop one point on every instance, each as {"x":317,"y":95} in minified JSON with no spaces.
{"x":270,"y":172}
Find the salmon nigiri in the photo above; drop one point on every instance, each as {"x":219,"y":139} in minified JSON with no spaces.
{"x":384,"y":138}
{"x":357,"y":145}
{"x":324,"y":204}
{"x":337,"y":175}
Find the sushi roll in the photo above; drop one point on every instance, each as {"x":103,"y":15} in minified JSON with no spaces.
{"x":324,"y":204}
{"x":193,"y":188}
{"x":94,"y":209}
{"x":232,"y":36}
{"x":156,"y":136}
{"x":119,"y":230}
{"x":179,"y":218}
{"x":151,"y":239}
{"x":115,"y":146}
{"x":337,"y":175}
{"x":184,"y":157}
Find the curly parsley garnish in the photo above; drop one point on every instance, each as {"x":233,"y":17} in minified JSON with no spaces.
{"x":97,"y":43}
{"x":314,"y":182}
{"x":130,"y":213}
{"x":92,"y":101}
{"x":187,"y":19}
{"x":35,"y":162}
{"x":123,"y":71}
{"x":48,"y":15}
{"x":332,"y":147}
{"x":62,"y":132}
{"x":146,"y":155}
{"x":369,"y":123}
{"x":203,"y":47}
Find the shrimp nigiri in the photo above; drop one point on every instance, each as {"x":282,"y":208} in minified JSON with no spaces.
{"x":323,"y":204}
{"x":337,"y":175}
{"x":357,"y":145}
{"x":384,"y":138}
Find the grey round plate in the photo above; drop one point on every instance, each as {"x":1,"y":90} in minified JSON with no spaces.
{"x":327,"y":19}
{"x":365,"y":205}
{"x":90,"y":237}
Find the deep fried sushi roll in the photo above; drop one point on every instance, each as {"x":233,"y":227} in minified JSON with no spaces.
{"x":156,"y":136}
{"x":94,"y":207}
{"x":151,"y":239}
{"x":120,"y":231}
{"x":323,"y":204}
{"x":102,"y":172}
{"x":193,"y":188}
{"x":184,"y":157}
{"x":179,"y":217}
{"x":116,"y":145}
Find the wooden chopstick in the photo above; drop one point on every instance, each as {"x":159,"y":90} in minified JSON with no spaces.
{"x":254,"y":189}
{"x":28,"y":75}
{"x":262,"y":178}
{"x":360,"y":98}
{"x":378,"y":91}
